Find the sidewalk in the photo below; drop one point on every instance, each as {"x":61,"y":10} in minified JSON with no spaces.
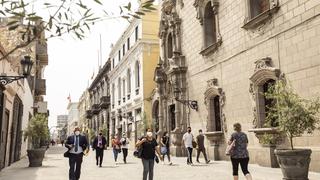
{"x":55,"y":167}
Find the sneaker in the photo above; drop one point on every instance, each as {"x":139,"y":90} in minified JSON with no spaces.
{"x":198,"y":161}
{"x":170,"y":163}
{"x":208,"y":161}
{"x":191,"y":164}
{"x":100,"y":165}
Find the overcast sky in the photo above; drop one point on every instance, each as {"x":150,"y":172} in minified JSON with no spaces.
{"x":72,"y":61}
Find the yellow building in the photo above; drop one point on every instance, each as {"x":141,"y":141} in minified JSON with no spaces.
{"x":133,"y":59}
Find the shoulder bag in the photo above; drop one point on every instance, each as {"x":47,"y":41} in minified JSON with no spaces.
{"x":230,"y":148}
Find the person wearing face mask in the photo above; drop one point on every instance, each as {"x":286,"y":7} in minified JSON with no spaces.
{"x":99,"y":144}
{"x":76,"y":144}
{"x":201,"y":148}
{"x":165,"y":143}
{"x":149,"y":147}
{"x":116,"y":147}
{"x":187,"y":139}
{"x":124,"y":145}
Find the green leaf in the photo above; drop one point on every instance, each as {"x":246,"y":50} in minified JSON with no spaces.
{"x":66,"y":16}
{"x":140,"y":13}
{"x":13,"y":27}
{"x":97,"y":1}
{"x":11,"y":23}
{"x":1,"y":12}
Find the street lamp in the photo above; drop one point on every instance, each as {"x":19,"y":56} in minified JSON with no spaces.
{"x":193,"y":104}
{"x":26,"y":65}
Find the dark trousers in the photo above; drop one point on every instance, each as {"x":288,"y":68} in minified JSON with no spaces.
{"x":203,"y":150}
{"x":75,"y":161}
{"x":189,"y":152}
{"x":243,"y":163}
{"x":99,"y":155}
{"x":125,"y":154}
{"x":148,"y":165}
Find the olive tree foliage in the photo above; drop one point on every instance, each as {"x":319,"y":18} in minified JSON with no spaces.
{"x":72,"y":17}
{"x":293,"y":114}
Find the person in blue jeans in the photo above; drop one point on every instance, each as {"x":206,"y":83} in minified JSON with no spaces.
{"x":116,"y":147}
{"x":149,"y":147}
{"x":240,"y":153}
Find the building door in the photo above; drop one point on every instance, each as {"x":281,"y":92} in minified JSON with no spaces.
{"x":16,"y":130}
{"x":172,"y":116}
{"x":4,"y":115}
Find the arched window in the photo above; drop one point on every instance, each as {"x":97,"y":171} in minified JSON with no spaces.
{"x":129,"y":81}
{"x":137,"y":73}
{"x":209,"y":26}
{"x":170,"y":46}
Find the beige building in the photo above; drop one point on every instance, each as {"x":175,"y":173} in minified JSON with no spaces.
{"x":84,"y":104}
{"x":73,"y":116}
{"x":20,"y":99}
{"x":133,"y":59}
{"x":222,"y":56}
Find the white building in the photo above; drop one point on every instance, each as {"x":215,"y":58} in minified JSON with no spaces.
{"x":73,"y":116}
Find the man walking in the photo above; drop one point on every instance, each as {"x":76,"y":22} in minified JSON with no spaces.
{"x":99,"y":144}
{"x":76,"y":144}
{"x":201,"y":148}
{"x":187,"y":139}
{"x":124,"y":144}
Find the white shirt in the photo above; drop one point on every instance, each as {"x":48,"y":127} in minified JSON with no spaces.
{"x":125,"y":146}
{"x":187,"y":139}
{"x":80,"y":150}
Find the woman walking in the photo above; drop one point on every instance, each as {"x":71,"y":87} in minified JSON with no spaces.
{"x":149,"y":147}
{"x":165,"y":147}
{"x":116,"y":147}
{"x":240,"y":154}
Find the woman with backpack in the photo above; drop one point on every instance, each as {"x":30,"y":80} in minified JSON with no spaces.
{"x":239,"y":153}
{"x":116,"y":147}
{"x":124,"y":144}
{"x":149,"y":147}
{"x":165,"y":147}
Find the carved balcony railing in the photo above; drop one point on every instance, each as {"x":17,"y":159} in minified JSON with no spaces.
{"x":104,"y":102}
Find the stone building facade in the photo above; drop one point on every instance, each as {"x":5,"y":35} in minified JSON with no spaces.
{"x":73,"y":116}
{"x":133,"y":59}
{"x":20,"y":99}
{"x":98,"y":107}
{"x":217,"y":59}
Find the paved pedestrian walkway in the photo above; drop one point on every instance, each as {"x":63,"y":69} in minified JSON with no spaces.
{"x":55,"y":167}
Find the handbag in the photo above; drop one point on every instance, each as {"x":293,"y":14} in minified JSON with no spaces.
{"x":66,"y":154}
{"x":163,"y":150}
{"x":194,"y":144}
{"x":230,"y":148}
{"x":156,"y":159}
{"x":138,"y":153}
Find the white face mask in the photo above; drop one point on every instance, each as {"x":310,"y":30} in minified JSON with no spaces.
{"x":77,"y":133}
{"x":149,"y":134}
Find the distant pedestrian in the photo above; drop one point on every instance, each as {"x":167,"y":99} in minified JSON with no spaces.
{"x":149,"y":147}
{"x":124,"y":145}
{"x":99,"y":144}
{"x":76,"y":144}
{"x":52,"y":142}
{"x":201,"y":148}
{"x":187,"y":139}
{"x":165,"y":147}
{"x":62,"y":142}
{"x":116,"y":147}
{"x":240,"y":154}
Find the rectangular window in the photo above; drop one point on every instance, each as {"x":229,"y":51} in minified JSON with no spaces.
{"x":258,"y":6}
{"x":128,"y":43}
{"x":119,"y":55}
{"x":112,"y":63}
{"x":137,"y":33}
{"x":124,"y":49}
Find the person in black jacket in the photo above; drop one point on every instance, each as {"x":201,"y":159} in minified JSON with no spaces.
{"x":76,"y":144}
{"x":99,"y":144}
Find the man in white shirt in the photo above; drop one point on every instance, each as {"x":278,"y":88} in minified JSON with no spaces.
{"x":187,"y":140}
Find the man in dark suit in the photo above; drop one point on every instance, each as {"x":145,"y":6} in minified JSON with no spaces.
{"x":77,"y":144}
{"x":99,"y":144}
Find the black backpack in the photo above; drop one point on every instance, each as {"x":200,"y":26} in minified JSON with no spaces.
{"x":124,"y":142}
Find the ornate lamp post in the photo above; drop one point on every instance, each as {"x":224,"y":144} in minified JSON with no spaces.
{"x":26,"y":65}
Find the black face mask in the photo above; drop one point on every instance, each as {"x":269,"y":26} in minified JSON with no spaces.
{"x":189,"y":131}
{"x":100,"y":134}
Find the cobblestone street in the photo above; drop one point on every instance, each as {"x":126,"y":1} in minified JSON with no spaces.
{"x":55,"y":167}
